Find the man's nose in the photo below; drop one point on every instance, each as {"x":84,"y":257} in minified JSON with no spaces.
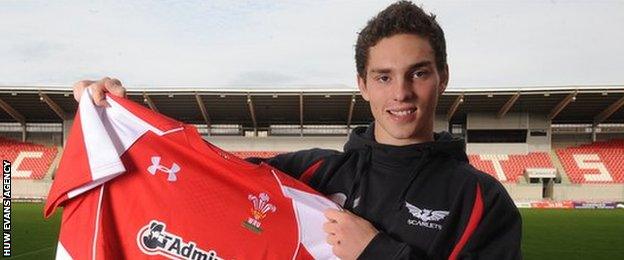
{"x":403,"y":90}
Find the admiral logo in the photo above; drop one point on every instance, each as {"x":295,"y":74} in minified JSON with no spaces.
{"x":153,"y":239}
{"x":175,"y":168}
{"x":261,"y":207}
{"x":425,"y":217}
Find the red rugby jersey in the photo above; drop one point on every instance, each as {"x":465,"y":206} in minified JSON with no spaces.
{"x":137,"y":184}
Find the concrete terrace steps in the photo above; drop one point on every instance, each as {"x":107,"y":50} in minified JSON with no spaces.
{"x":559,"y":166}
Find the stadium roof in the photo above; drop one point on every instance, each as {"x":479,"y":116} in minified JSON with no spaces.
{"x":253,"y":107}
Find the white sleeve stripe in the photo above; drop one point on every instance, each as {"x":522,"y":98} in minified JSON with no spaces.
{"x":97,"y":222}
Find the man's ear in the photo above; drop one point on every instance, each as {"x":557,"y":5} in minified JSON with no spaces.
{"x":444,"y":79}
{"x":362,"y":86}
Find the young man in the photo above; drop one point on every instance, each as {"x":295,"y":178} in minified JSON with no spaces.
{"x":408,"y":193}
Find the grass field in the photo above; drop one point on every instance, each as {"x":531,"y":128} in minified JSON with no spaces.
{"x":33,"y":237}
{"x":547,"y":234}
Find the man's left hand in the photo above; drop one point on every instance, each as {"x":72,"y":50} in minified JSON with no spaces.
{"x":347,"y":233}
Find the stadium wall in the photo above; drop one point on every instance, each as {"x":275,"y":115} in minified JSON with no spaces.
{"x":30,"y":189}
{"x":36,"y":137}
{"x":539,"y":122}
{"x":524,"y":192}
{"x":576,"y":139}
{"x":487,"y":121}
{"x":45,"y":138}
{"x":12,"y":135}
{"x":279,"y":144}
{"x":564,"y":192}
{"x":496,"y":148}
{"x":589,"y":192}
{"x":524,"y":121}
{"x":567,"y":140}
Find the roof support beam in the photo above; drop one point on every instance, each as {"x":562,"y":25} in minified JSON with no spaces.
{"x":350,"y":115}
{"x":204,"y":112}
{"x":12,"y":112}
{"x":505,"y":108}
{"x":147,"y":99}
{"x":454,"y":107}
{"x":253,"y":114}
{"x":562,"y":104}
{"x":301,"y":113}
{"x":602,"y":116}
{"x":55,"y":107}
{"x":24,"y":133}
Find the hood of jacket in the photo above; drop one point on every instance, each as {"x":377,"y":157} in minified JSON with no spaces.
{"x":407,"y":160}
{"x":444,"y":143}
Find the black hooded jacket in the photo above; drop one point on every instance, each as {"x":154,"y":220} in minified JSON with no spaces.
{"x":425,"y":199}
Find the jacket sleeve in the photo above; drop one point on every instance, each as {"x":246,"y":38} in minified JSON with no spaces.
{"x":385,"y":247}
{"x":498,"y":233}
{"x":297,"y":163}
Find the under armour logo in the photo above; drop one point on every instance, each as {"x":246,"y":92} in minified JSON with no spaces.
{"x":157,"y":167}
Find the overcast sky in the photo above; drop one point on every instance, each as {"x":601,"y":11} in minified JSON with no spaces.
{"x":300,"y":43}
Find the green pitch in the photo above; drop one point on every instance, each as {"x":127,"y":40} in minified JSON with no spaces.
{"x":548,"y":233}
{"x":32,"y":236}
{"x":572,"y":234}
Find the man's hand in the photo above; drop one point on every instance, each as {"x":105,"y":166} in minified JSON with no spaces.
{"x":99,"y":88}
{"x":347,"y":233}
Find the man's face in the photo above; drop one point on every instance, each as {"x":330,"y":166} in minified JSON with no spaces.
{"x":402,"y":85}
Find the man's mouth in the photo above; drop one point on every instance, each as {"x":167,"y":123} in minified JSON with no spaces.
{"x":401,"y":112}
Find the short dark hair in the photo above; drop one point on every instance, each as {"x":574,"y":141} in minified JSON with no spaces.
{"x":398,"y":18}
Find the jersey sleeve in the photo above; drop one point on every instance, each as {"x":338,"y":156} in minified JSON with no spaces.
{"x":99,"y":136}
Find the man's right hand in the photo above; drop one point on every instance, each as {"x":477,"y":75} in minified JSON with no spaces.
{"x":99,"y":88}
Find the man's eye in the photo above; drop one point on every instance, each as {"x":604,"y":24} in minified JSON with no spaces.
{"x":419,"y":74}
{"x":383,"y":79}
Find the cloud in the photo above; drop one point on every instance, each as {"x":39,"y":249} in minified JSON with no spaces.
{"x":206,"y":43}
{"x":263,"y":78}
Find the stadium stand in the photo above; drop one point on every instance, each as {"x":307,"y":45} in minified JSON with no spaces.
{"x":506,"y":168}
{"x":598,"y":162}
{"x":29,"y":161}
{"x":551,"y":127}
{"x":509,"y":167}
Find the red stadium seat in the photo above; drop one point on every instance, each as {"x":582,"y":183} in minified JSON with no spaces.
{"x":509,"y":167}
{"x":599,"y":162}
{"x":29,"y":161}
